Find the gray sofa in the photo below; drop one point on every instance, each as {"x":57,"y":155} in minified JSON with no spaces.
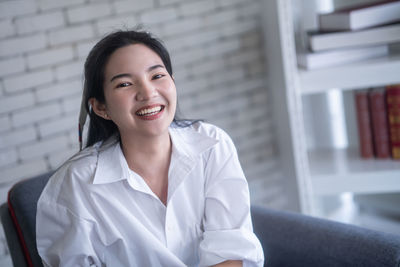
{"x":288,"y":239}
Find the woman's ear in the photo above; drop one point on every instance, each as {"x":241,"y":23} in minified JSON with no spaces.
{"x":99,"y":108}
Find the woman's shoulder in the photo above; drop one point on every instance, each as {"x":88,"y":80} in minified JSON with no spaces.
{"x":84,"y":162}
{"x":76,"y":170}
{"x":207,"y":129}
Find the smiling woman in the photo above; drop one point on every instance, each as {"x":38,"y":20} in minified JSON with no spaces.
{"x":147,"y":190}
{"x":140,"y":95}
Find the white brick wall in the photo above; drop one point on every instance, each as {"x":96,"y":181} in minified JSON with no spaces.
{"x":43,"y":147}
{"x":159,"y":15}
{"x":15,"y":102}
{"x":42,"y":22}
{"x":71,"y":34}
{"x":50,"y":57}
{"x":183,"y":26}
{"x":69,"y":70}
{"x":72,"y":104}
{"x":133,"y":6}
{"x":11,"y":66}
{"x":13,"y":8}
{"x":8,"y":157}
{"x":46,"y":5}
{"x":89,"y":12}
{"x":19,"y":45}
{"x":111,"y":24}
{"x":216,"y":51}
{"x":27,"y":80}
{"x":21,"y":136}
{"x":5,"y":124}
{"x":189,"y":9}
{"x":6,"y":28}
{"x":58,"y":91}
{"x":36,"y":114}
{"x":84,"y":48}
{"x":57,"y":125}
{"x":24,"y":169}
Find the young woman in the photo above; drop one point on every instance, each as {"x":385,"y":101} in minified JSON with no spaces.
{"x":148,"y":190}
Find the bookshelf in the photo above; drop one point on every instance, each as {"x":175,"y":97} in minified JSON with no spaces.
{"x":342,"y":170}
{"x":356,"y":75}
{"x":310,"y":173}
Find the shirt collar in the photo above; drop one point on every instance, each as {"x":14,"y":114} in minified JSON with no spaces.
{"x":187,"y":143}
{"x":111,"y":163}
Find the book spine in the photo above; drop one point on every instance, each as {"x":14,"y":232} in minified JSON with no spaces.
{"x":379,"y":123}
{"x":364,"y":124}
{"x":393,"y":111}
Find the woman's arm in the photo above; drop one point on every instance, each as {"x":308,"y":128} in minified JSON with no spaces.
{"x":228,"y":236}
{"x":64,"y":239}
{"x":229,"y":264}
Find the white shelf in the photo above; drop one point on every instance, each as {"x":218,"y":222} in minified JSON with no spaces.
{"x":342,"y":170}
{"x":368,"y":73}
{"x":329,"y":172}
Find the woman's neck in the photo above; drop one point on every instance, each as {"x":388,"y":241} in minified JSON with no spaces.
{"x":150,"y":158}
{"x":147,"y":152}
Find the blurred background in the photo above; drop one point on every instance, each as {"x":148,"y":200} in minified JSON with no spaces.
{"x":231,"y":68}
{"x":217,"y":56}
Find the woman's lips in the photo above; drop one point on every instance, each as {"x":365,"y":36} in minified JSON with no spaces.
{"x":150,"y":112}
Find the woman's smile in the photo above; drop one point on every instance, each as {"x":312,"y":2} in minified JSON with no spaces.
{"x":151,"y":112}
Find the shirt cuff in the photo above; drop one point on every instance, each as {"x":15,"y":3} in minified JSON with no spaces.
{"x":237,"y":244}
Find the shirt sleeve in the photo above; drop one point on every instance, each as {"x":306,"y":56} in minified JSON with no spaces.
{"x":228,"y":232}
{"x":63,"y":239}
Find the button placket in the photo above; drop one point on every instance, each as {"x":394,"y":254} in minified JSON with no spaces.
{"x":171,"y":233}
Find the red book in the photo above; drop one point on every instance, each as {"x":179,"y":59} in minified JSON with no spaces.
{"x":364,"y":124}
{"x":393,"y":110}
{"x":379,"y":122}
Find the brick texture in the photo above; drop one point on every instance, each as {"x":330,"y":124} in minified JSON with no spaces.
{"x":15,"y":102}
{"x":40,"y":22}
{"x":6,"y":28}
{"x":10,"y":9}
{"x":217,"y":56}
{"x":19,"y":45}
{"x":11,"y":66}
{"x":88,"y":13}
{"x":133,"y":6}
{"x":50,"y":57}
{"x":70,"y":35}
{"x":27,"y":80}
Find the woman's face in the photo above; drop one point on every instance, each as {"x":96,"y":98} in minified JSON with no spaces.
{"x":140,"y":95}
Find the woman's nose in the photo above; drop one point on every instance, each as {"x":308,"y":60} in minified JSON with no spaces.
{"x":146,"y":91}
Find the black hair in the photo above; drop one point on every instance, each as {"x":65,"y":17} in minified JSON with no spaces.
{"x":99,"y":128}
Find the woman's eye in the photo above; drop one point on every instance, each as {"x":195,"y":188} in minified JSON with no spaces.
{"x":158,"y":76}
{"x":123,"y":84}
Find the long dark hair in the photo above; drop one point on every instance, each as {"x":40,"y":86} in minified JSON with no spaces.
{"x":99,"y":128}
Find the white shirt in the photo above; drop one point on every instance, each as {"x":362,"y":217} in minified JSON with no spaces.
{"x":95,"y":211}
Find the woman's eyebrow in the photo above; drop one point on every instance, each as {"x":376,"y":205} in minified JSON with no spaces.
{"x":155,"y":67}
{"x":130,"y":76}
{"x":120,"y":76}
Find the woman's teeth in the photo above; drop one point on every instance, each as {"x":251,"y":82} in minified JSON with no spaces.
{"x":149,"y":111}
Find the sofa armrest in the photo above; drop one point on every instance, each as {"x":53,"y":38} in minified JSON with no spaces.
{"x":291,"y":239}
{"x":14,"y":246}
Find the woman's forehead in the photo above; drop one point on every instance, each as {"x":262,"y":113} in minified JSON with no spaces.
{"x":134,"y":53}
{"x":135,"y":57}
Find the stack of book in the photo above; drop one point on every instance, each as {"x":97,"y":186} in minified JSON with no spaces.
{"x":378,"y":121}
{"x":353,"y":34}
